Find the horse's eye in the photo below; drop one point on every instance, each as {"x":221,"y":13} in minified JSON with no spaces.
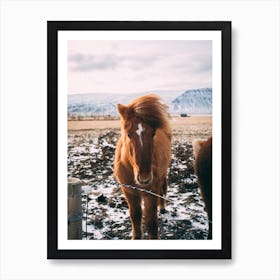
{"x":154,"y":132}
{"x":128,"y":134}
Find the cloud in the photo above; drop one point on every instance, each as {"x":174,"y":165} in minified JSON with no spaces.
{"x":87,"y":62}
{"x":196,"y":66}
{"x":130,"y":66}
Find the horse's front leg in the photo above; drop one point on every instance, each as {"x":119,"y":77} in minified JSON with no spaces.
{"x":151,"y":215}
{"x":135,"y":211}
{"x":163,"y":190}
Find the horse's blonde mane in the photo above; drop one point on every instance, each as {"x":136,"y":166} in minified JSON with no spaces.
{"x":151,"y":110}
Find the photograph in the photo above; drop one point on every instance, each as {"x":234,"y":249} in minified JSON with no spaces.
{"x":137,"y":111}
{"x":140,"y":138}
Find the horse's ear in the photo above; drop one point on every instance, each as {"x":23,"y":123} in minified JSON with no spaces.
{"x":122,"y":110}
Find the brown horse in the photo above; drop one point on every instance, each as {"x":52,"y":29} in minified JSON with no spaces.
{"x":203,"y":170}
{"x":142,"y":157}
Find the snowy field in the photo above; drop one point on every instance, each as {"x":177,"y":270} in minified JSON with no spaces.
{"x":90,"y":158}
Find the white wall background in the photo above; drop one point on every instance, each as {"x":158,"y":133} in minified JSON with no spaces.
{"x":255,"y":100}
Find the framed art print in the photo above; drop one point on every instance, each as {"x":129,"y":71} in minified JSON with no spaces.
{"x":139,"y":140}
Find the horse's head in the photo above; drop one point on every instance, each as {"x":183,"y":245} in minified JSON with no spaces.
{"x":139,"y":144}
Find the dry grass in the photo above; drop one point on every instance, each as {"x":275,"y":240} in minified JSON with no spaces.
{"x":94,"y":124}
{"x":191,"y":127}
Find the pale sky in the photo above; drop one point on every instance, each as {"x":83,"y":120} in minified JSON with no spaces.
{"x":138,"y":66}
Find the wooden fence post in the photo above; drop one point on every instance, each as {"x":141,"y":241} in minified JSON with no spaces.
{"x":75,"y":213}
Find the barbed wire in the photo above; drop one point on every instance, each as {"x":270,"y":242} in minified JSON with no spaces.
{"x":142,"y":190}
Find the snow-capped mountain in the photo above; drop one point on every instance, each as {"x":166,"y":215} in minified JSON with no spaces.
{"x":195,"y":101}
{"x":100,"y":104}
{"x":198,"y":101}
{"x":90,"y":105}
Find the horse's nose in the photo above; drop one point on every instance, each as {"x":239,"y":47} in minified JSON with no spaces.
{"x":145,"y":178}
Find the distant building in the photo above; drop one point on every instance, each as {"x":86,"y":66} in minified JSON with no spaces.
{"x":184,"y":115}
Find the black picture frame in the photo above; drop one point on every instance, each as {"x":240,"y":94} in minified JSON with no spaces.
{"x":53,"y":27}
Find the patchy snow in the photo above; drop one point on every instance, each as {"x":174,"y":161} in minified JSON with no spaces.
{"x":90,"y":158}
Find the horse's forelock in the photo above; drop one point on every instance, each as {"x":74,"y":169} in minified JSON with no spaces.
{"x":150,"y":110}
